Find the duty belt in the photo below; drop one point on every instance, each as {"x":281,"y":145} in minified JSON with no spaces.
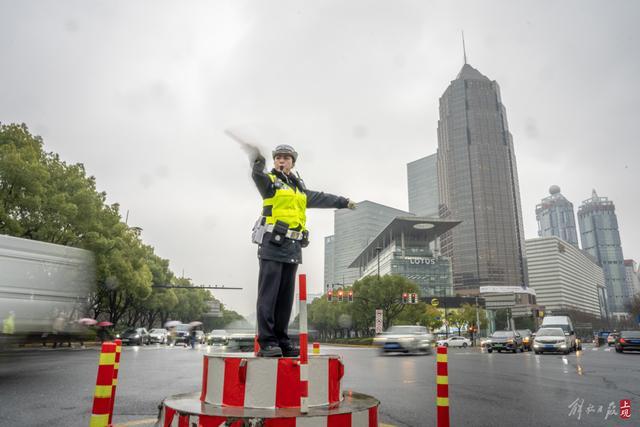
{"x":291,"y":234}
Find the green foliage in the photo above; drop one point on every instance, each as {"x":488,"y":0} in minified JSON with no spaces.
{"x":43,"y":198}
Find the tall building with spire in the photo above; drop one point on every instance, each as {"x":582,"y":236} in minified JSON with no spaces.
{"x":478,"y":184}
{"x":555,"y":217}
{"x":601,"y":239}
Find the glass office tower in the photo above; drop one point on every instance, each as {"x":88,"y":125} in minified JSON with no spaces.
{"x":422,"y":183}
{"x":478,"y":185}
{"x":556,"y":218}
{"x":601,"y":239}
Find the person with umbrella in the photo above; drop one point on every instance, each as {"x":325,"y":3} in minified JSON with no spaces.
{"x":103,"y":333}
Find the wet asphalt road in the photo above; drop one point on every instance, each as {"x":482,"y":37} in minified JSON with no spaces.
{"x":47,"y":387}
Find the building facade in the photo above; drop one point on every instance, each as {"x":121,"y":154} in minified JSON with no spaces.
{"x":556,"y":217}
{"x":422,"y":183}
{"x":564,"y":277}
{"x":353,"y":231}
{"x":601,"y":239}
{"x":478,"y":185}
{"x":408,"y":247}
{"x":632,"y":278}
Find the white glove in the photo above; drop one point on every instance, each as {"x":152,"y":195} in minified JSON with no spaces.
{"x":351,"y":204}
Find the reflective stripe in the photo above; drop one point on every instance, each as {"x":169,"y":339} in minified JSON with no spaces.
{"x":107,"y":359}
{"x":441,"y":379}
{"x":102,"y":391}
{"x":441,"y":358}
{"x":99,"y":420}
{"x":116,"y":366}
{"x":115,"y":382}
{"x":442,"y":401}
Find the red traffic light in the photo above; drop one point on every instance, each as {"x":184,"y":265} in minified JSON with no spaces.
{"x":350,"y":296}
{"x":330,"y":296}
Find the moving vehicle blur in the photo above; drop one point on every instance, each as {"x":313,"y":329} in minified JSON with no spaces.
{"x":455,"y":341}
{"x":627,"y":341}
{"x":505,"y":340}
{"x":43,"y":290}
{"x":612,"y":338}
{"x":527,"y":338}
{"x":551,"y":340}
{"x":242,"y":340}
{"x":217,"y":337}
{"x":158,"y":335}
{"x":404,"y":339}
{"x":180,"y":334}
{"x":135,"y":336}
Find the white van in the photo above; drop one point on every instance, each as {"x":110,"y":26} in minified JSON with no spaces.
{"x":566,"y":324}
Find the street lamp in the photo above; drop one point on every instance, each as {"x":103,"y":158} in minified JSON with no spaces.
{"x":378,"y":249}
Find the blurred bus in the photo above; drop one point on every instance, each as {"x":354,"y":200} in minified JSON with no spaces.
{"x":44,"y":290}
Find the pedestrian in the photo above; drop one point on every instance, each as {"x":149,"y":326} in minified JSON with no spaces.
{"x":192,"y":337}
{"x":281,"y":233}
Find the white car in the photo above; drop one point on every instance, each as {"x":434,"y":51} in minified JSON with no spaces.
{"x":455,"y":341}
{"x":404,"y":339}
{"x":158,"y":335}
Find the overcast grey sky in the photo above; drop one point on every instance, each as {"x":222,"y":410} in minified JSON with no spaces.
{"x":140,"y":92}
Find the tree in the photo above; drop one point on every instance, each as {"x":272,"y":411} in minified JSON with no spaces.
{"x":385,"y":293}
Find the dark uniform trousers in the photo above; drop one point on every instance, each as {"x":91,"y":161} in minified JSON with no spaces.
{"x":276,"y":290}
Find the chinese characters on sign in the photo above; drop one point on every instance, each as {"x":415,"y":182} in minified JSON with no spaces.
{"x":577,"y":409}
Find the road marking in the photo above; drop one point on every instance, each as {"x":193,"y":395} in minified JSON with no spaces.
{"x":594,"y":349}
{"x":147,"y":421}
{"x":385,"y":425}
{"x":607,"y":349}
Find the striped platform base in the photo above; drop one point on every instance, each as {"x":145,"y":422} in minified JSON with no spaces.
{"x":187,"y":410}
{"x":242,"y":380}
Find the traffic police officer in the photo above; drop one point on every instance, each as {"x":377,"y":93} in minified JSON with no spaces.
{"x":281,"y":234}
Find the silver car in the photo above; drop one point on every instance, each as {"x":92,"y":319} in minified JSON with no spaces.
{"x":551,"y":340}
{"x":158,"y":335}
{"x":404,"y":339}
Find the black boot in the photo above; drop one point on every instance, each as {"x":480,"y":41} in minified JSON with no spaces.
{"x":289,"y":350}
{"x":270,"y":351}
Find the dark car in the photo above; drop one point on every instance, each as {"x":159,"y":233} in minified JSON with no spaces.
{"x":135,"y":336}
{"x":527,"y":338}
{"x":180,"y":334}
{"x":628,"y":340}
{"x":505,"y":340}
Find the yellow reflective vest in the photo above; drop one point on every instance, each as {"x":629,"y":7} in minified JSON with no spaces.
{"x":288,"y":204}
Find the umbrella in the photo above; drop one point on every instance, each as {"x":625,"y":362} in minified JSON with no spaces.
{"x":172,"y":323}
{"x":87,"y":321}
{"x":195,"y":323}
{"x":105,"y":323}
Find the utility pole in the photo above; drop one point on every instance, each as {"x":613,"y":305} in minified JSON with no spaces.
{"x":477,"y":320}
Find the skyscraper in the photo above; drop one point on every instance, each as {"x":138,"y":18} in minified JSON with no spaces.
{"x":478,"y":184}
{"x":556,"y":218}
{"x":631,"y":277}
{"x":353,"y":230}
{"x":422,"y":182}
{"x":600,"y":238}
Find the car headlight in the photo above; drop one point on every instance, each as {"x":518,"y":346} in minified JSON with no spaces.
{"x":536,"y":345}
{"x":563,"y":345}
{"x":136,"y":336}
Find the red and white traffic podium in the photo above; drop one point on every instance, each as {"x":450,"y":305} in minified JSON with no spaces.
{"x":239,"y":389}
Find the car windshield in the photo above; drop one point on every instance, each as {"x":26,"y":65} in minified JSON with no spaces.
{"x":406,"y":330}
{"x":502,"y":334}
{"x":551,"y":332}
{"x":131,"y":331}
{"x":218,"y":332}
{"x":524,"y":332}
{"x":158,"y":331}
{"x":182,"y":328}
{"x":630,"y":334}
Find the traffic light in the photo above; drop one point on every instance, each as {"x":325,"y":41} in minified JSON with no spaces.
{"x":414,"y":298}
{"x":405,"y":298}
{"x":340,"y":295}
{"x":350,"y":296}
{"x":330,"y":296}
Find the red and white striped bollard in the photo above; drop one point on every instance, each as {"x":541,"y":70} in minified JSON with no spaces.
{"x":304,"y":356}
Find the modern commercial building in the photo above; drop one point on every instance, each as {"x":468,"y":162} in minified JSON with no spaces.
{"x":564,"y":277}
{"x":631,"y":277}
{"x":353,"y":231}
{"x":478,"y":185}
{"x":555,"y":217}
{"x":422,"y":183}
{"x":407,"y":247}
{"x":600,"y":238}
